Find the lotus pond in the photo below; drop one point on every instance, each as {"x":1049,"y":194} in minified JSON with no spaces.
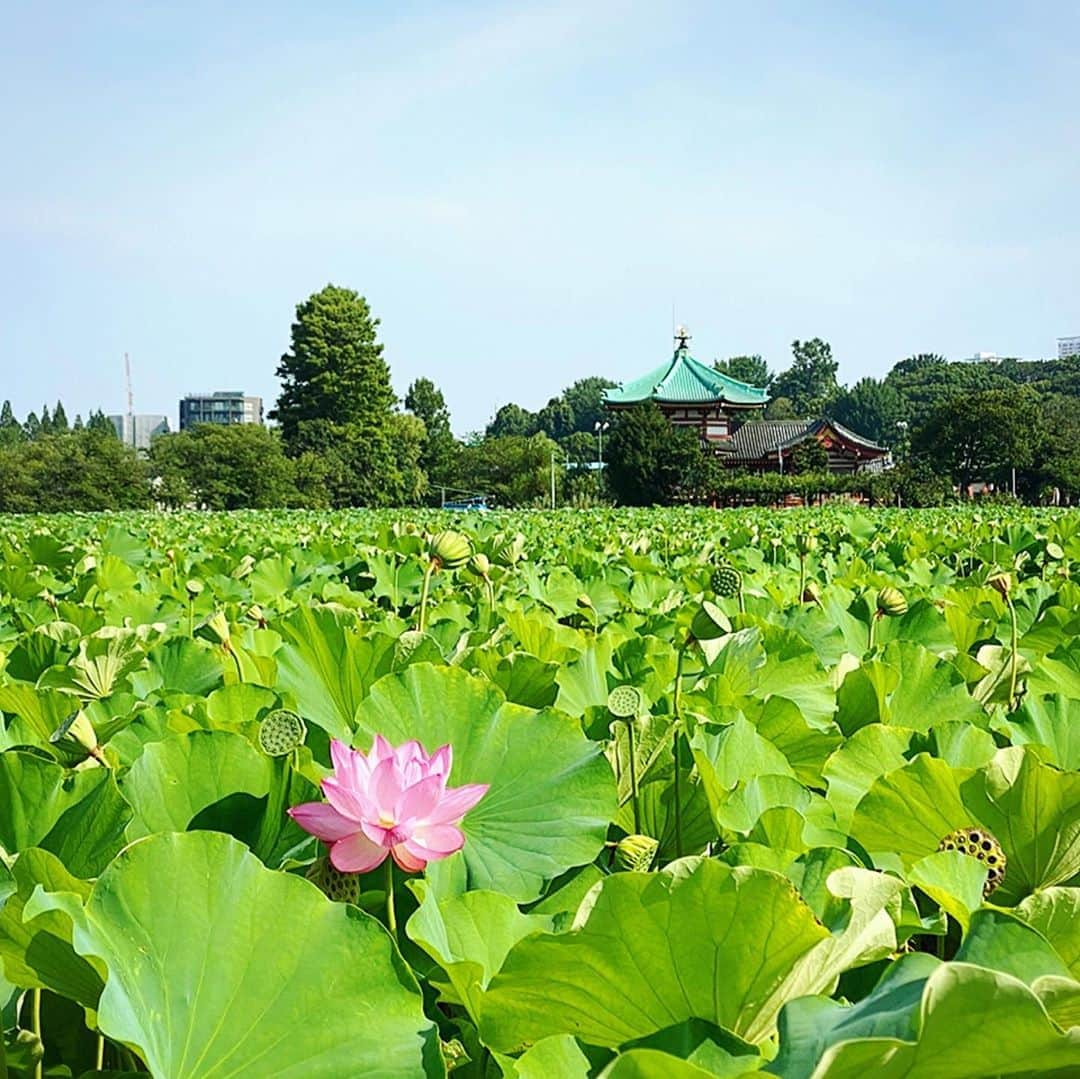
{"x":660,"y":794}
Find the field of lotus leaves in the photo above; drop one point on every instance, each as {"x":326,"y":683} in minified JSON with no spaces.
{"x":658,"y":794}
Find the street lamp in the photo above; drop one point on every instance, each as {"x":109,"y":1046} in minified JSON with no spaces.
{"x":600,"y":428}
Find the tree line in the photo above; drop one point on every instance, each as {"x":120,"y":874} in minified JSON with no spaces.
{"x":342,"y":438}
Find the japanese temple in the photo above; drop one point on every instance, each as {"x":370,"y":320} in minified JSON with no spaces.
{"x":727,"y":415}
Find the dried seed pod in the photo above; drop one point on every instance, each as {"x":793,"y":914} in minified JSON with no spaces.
{"x":981,"y":844}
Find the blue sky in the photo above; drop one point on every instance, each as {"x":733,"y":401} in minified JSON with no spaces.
{"x":524,"y":191}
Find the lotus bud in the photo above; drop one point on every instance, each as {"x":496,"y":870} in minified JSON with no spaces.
{"x":804,"y":544}
{"x":981,"y":844}
{"x":335,"y":885}
{"x":811,"y":593}
{"x":709,"y":622}
{"x":1001,"y":582}
{"x":219,"y":626}
{"x":510,"y":552}
{"x":891,"y":603}
{"x":244,"y":567}
{"x":635,"y":853}
{"x":280,"y":732}
{"x":255,"y":613}
{"x":450,"y":550}
{"x":626,"y":702}
{"x":78,"y":732}
{"x":194,"y":587}
{"x":479,"y":565}
{"x":585,"y":603}
{"x":726,"y":581}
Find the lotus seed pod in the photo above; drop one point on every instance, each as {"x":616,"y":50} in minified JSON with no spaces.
{"x":891,"y":602}
{"x":981,"y":844}
{"x":1054,"y":551}
{"x":709,"y":622}
{"x":726,"y":581}
{"x":280,"y":732}
{"x":626,"y":702}
{"x":635,"y":853}
{"x":335,"y":885}
{"x":450,"y":549}
{"x":194,"y":587}
{"x":1001,"y":583}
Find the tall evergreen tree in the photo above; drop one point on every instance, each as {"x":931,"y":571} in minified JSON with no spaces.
{"x":59,"y":418}
{"x":101,"y":423}
{"x":10,"y":429}
{"x":336,"y":396}
{"x":78,"y":424}
{"x":425,"y":401}
{"x":32,"y":426}
{"x":46,"y":421}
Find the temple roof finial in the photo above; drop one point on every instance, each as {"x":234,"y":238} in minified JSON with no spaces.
{"x":682,"y":339}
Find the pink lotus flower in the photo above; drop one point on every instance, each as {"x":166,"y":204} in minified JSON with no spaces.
{"x":390,"y":801}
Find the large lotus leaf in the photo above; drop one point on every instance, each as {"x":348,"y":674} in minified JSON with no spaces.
{"x":177,"y":778}
{"x":1034,"y":810}
{"x":220,"y":967}
{"x":792,"y":670}
{"x":908,"y":810}
{"x":78,"y":816}
{"x":559,"y":1055}
{"x":929,"y":690}
{"x":584,"y":683}
{"x":702,"y":940}
{"x":806,"y":747}
{"x":523,"y":679}
{"x":1053,"y":722}
{"x":972,"y":1022}
{"x":694,"y":1049}
{"x":852,"y":769}
{"x":552,"y":793}
{"x":37,"y":953}
{"x":238,"y":703}
{"x":40,"y":711}
{"x":1055,"y":913}
{"x":810,"y":1025}
{"x":1000,"y":941}
{"x":183,"y":665}
{"x":469,"y":936}
{"x":327,"y":666}
{"x":656,"y":803}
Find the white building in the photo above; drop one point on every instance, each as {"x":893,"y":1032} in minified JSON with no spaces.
{"x":139,"y":430}
{"x":1068,"y":346}
{"x":222,"y":406}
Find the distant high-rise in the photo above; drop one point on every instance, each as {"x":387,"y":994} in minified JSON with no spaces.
{"x":223,"y":406}
{"x":1067,"y":347}
{"x":139,"y":430}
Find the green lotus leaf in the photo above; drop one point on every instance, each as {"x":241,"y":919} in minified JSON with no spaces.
{"x":947,"y":1044}
{"x":952,"y":880}
{"x":853,"y":768}
{"x":327,"y":667}
{"x":1055,"y":913}
{"x":220,"y":967}
{"x":80,"y":817}
{"x":559,"y":1055}
{"x":551,"y":793}
{"x":469,"y":936}
{"x":37,"y":953}
{"x":183,"y":665}
{"x":175,"y":779}
{"x":1053,"y":722}
{"x":646,"y":950}
{"x":998,"y":940}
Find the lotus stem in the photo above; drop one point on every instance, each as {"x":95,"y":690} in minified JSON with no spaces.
{"x":677,"y":731}
{"x":39,"y":1067}
{"x":802,"y":576}
{"x":422,"y":621}
{"x":742,"y":600}
{"x":391,"y":914}
{"x":870,"y":635}
{"x":1014,"y":642}
{"x":236,"y":661}
{"x":191,"y":618}
{"x":100,"y":1059}
{"x":633,"y":774}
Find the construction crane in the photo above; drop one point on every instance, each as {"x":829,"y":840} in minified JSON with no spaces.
{"x":130,"y":432}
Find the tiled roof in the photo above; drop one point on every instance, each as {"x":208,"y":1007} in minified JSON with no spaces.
{"x":754,"y":441}
{"x":684,"y":379}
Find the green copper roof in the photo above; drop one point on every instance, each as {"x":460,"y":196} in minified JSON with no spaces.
{"x":684,"y":380}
